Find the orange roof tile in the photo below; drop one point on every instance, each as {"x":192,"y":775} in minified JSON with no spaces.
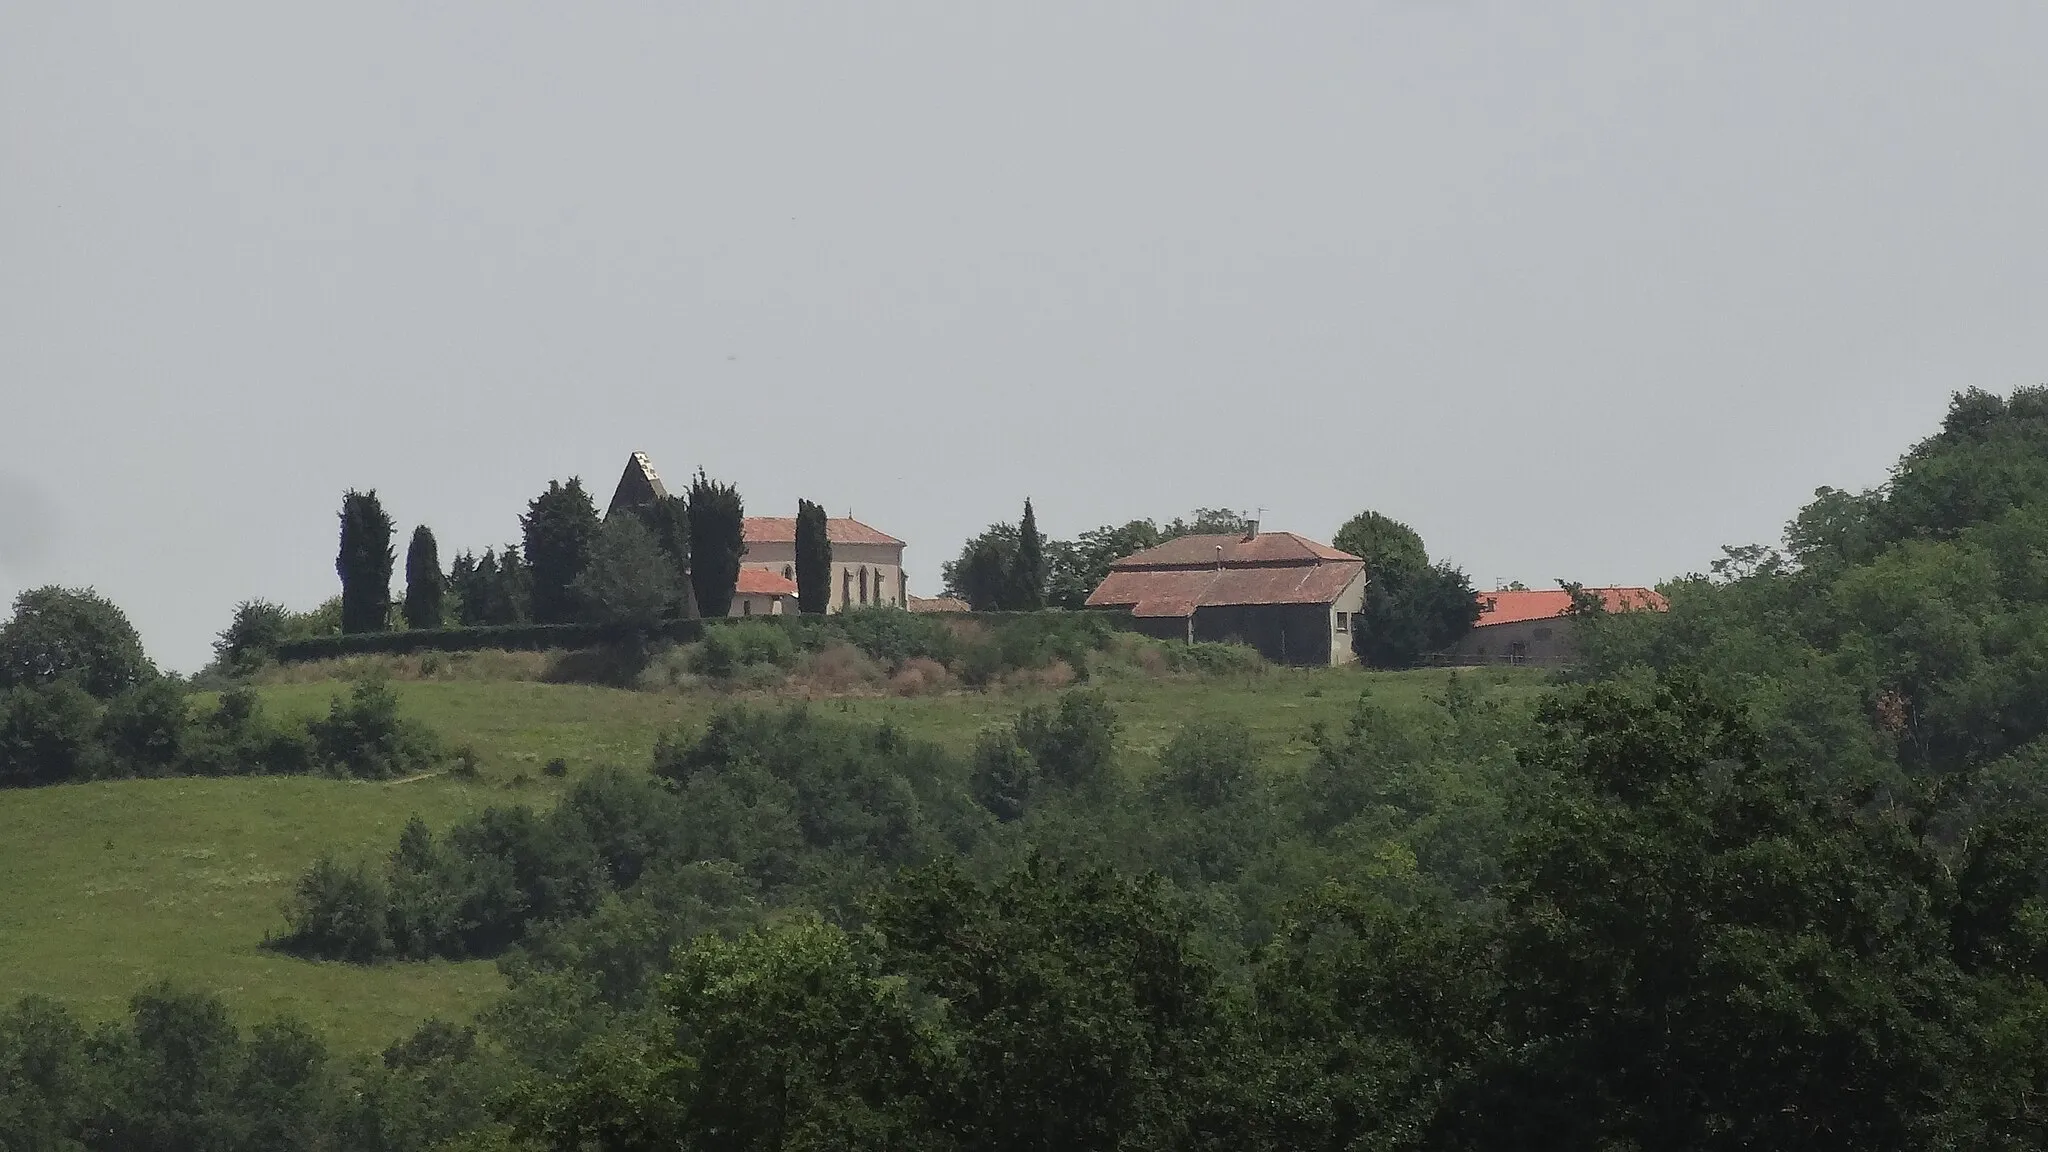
{"x":1513,"y":606}
{"x":1179,"y":591}
{"x":839,"y":530}
{"x":1264,"y":548}
{"x":763,"y":582}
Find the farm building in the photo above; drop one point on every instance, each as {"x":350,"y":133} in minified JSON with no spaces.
{"x":1286,"y":595}
{"x":1533,"y":626}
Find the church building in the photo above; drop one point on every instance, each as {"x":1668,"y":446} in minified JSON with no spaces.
{"x":867,"y":563}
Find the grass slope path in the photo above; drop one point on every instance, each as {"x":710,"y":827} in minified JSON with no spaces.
{"x":110,"y":886}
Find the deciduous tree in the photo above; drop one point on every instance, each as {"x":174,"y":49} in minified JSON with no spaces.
{"x":71,"y":634}
{"x":629,"y":580}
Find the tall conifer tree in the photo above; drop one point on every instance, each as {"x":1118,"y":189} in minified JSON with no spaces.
{"x":424,"y":585}
{"x":1027,"y":571}
{"x":813,"y":559}
{"x":559,"y":526}
{"x":364,"y":563}
{"x":717,"y":541}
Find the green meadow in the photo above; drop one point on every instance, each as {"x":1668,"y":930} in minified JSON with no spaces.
{"x":113,"y":885}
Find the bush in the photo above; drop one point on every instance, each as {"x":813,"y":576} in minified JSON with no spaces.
{"x":840,"y":668}
{"x":1218,"y":659}
{"x":337,"y":911}
{"x":893,"y":637}
{"x":920,"y":675}
{"x":1073,"y":743}
{"x":48,"y":733}
{"x":510,"y":637}
{"x":1003,"y":775}
{"x":728,"y":648}
{"x":1207,"y":764}
{"x":365,"y":738}
{"x":144,"y":728}
{"x":251,"y":639}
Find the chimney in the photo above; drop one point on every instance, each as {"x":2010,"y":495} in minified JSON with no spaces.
{"x":1219,"y":557}
{"x":1251,"y":529}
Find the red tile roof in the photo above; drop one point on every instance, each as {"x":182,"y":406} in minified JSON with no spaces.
{"x":839,"y":530}
{"x":1182,"y":575}
{"x":939,"y":604}
{"x":1264,"y":548}
{"x":1515,"y":606}
{"x":763,"y":582}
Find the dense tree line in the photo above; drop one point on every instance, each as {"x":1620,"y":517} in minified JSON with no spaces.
{"x":569,"y":565}
{"x":1013,"y":568}
{"x":80,"y":701}
{"x":1638,"y":932}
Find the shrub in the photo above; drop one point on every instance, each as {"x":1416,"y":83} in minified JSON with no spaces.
{"x":365,"y":737}
{"x":144,"y":728}
{"x":1207,"y":764}
{"x":338,"y":911}
{"x":1002,"y":775}
{"x":728,"y":648}
{"x":1218,"y":659}
{"x":840,"y":668}
{"x":251,"y":639}
{"x":1074,"y":742}
{"x":509,"y":637}
{"x":920,"y":675}
{"x":892,"y":636}
{"x":48,"y":733}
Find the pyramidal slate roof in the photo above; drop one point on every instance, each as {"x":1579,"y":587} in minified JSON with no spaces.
{"x":639,"y":486}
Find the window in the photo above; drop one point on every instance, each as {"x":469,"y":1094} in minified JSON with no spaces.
{"x":845,"y":587}
{"x":746,"y":607}
{"x":788,"y":572}
{"x":1343,"y":622}
{"x":863,"y":585}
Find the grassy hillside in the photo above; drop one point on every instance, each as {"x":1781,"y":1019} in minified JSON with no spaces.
{"x":113,"y":885}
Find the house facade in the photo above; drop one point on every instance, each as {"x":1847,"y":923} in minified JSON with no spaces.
{"x":1534,"y":626}
{"x":867,"y":563}
{"x":1292,"y":599}
{"x":761,"y":592}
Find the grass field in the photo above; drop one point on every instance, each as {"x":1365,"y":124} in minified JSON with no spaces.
{"x":110,"y":886}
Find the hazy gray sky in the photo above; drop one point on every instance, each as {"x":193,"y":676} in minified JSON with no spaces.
{"x":1577,"y":290}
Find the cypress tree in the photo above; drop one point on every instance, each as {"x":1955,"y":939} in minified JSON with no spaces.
{"x":512,"y":597}
{"x":468,"y":589}
{"x":1027,"y":571}
{"x":364,"y":563}
{"x":559,"y":526}
{"x":813,"y":559}
{"x":424,"y":585}
{"x":717,"y":541}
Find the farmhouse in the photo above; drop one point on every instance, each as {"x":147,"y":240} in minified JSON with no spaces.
{"x":1286,"y":595}
{"x":1533,"y":626}
{"x":867,"y":564}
